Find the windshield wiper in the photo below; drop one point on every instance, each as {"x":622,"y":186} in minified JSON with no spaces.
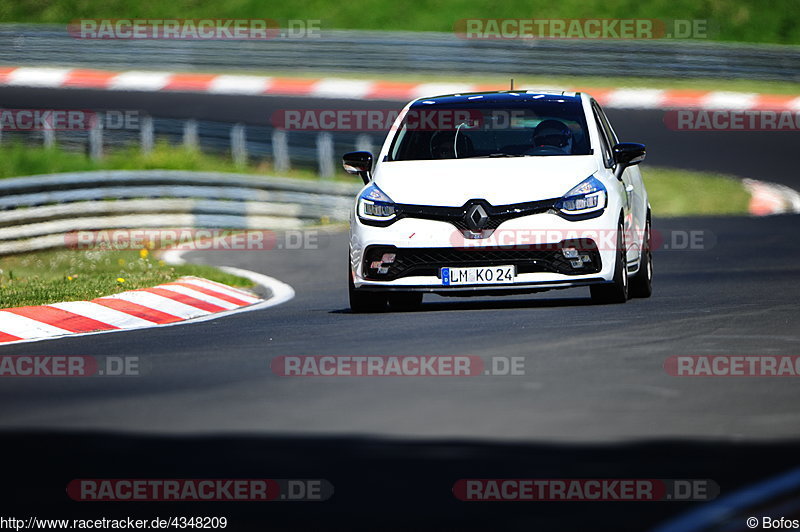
{"x":498,"y":155}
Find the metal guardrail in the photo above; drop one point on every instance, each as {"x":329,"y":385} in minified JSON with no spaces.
{"x":250,"y":143}
{"x":353,"y":51}
{"x":39,"y":212}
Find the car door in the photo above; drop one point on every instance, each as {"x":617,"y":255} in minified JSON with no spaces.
{"x":635,"y":212}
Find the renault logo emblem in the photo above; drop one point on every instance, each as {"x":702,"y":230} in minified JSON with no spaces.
{"x":476,"y":218}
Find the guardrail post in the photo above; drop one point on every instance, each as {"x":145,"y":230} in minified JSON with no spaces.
{"x":325,"y":155}
{"x":364,"y":143}
{"x":49,"y":137}
{"x":191,"y":139}
{"x":280,"y":151}
{"x":146,"y":135}
{"x":96,"y":141}
{"x":238,"y":145}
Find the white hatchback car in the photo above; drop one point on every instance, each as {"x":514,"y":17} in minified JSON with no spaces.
{"x":497,"y":193}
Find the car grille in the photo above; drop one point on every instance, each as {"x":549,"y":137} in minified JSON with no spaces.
{"x":457,"y":215}
{"x":427,"y":261}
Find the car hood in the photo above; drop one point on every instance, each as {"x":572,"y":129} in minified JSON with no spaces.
{"x":500,"y":181}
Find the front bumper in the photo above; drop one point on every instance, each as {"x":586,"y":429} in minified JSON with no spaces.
{"x":533,"y":244}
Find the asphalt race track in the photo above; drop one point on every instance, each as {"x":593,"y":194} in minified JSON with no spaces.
{"x":594,"y":377}
{"x":594,"y":373}
{"x":595,"y":400}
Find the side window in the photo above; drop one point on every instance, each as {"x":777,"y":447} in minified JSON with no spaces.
{"x":612,"y":137}
{"x":604,"y":140}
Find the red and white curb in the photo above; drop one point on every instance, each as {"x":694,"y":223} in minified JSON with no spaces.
{"x":186,"y":300}
{"x":771,"y":198}
{"x":154,"y":81}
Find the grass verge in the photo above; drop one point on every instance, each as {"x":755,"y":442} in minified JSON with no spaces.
{"x":17,"y":159}
{"x":684,"y":193}
{"x":46,"y":277}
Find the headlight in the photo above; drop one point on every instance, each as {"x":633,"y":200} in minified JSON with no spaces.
{"x":375,"y":206}
{"x":588,"y":196}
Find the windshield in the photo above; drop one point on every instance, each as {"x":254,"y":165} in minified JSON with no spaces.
{"x":552,"y":127}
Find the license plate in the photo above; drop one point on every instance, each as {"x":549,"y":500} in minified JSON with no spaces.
{"x":479,"y":275}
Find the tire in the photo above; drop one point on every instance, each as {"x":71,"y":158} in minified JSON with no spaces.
{"x":405,"y":301}
{"x":362,"y":301}
{"x":617,"y":290}
{"x":642,"y":282}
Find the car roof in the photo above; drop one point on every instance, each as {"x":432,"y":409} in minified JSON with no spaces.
{"x":509,"y":96}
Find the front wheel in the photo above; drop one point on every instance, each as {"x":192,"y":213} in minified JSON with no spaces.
{"x":617,"y":290}
{"x":362,"y":301}
{"x":642,"y":282}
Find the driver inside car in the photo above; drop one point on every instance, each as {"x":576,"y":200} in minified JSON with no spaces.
{"x":447,"y":144}
{"x":552,"y":137}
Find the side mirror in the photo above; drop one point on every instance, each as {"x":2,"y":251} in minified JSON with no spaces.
{"x":627,"y":154}
{"x":358,"y":163}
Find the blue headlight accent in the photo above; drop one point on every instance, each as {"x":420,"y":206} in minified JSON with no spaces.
{"x":375,"y":206}
{"x":587,"y":197}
